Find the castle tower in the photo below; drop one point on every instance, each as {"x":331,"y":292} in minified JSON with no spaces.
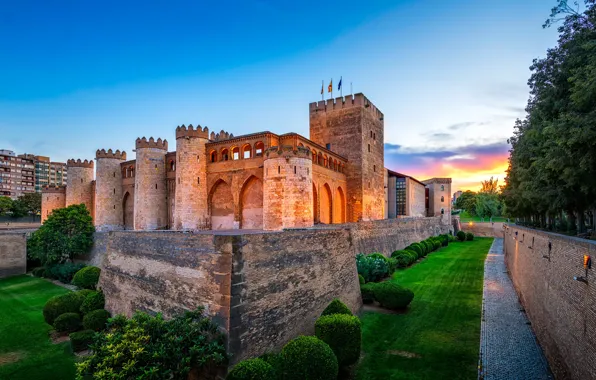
{"x":287,"y":188}
{"x":52,"y":198}
{"x":108,"y":190}
{"x":150,"y":207}
{"x":79,"y":184}
{"x":191,"y":210}
{"x":354,"y":128}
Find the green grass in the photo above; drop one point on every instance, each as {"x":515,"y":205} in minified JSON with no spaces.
{"x":465,"y":217}
{"x":442,"y":324}
{"x":24,"y":333}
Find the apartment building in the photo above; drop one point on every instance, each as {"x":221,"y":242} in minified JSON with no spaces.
{"x":17,"y":174}
{"x":47,"y":173}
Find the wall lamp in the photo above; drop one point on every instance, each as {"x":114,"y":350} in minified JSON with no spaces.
{"x":587,"y":266}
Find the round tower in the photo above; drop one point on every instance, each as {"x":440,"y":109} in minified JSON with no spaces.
{"x":151,"y":194}
{"x":79,"y":183}
{"x":191,"y":210}
{"x":287,"y":188}
{"x":52,"y":198}
{"x":108,"y":190}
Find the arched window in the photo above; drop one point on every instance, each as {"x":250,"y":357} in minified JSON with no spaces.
{"x":442,"y":211}
{"x":246,"y":151}
{"x":442,"y":187}
{"x":300,"y":144}
{"x":442,"y":198}
{"x":235,"y":153}
{"x":325,"y":161}
{"x":224,"y":154}
{"x":172,"y":165}
{"x":314,"y":157}
{"x":259,"y":148}
{"x":213,"y":156}
{"x":132,"y":171}
{"x":320,"y":158}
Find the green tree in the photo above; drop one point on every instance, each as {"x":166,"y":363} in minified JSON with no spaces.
{"x":19,"y":209}
{"x":467,"y":202}
{"x":31,"y":202}
{"x":490,"y":186}
{"x":5,"y":205}
{"x":487,"y":205}
{"x":66,"y":234}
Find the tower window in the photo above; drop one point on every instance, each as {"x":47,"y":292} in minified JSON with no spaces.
{"x":294,"y":170}
{"x":81,"y":180}
{"x":279,"y":170}
{"x":371,"y":134}
{"x":375,"y":168}
{"x":368,"y":148}
{"x":374,"y":136}
{"x":198,"y":158}
{"x":156,"y":186}
{"x":114,"y":191}
{"x":114,"y":207}
{"x":198,"y":180}
{"x":114,"y":174}
{"x":442,"y":198}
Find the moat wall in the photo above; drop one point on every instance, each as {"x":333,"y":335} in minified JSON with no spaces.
{"x":13,"y":253}
{"x":263,"y":288}
{"x":562,"y":310}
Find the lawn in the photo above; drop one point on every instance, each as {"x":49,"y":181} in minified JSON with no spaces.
{"x":465,"y":217}
{"x":26,"y":352}
{"x":439,"y":335}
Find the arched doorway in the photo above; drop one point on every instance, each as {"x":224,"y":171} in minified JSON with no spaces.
{"x":325,"y":210}
{"x":315,"y":207}
{"x":339,"y":206}
{"x":251,"y":204}
{"x":128,"y":211}
{"x":221,"y":205}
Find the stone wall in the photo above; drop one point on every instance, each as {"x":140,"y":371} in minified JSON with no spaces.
{"x":52,"y":198}
{"x":562,"y":310}
{"x":13,"y":253}
{"x":484,"y":229}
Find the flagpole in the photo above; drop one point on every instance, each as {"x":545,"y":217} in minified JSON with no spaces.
{"x":351,"y":88}
{"x":341,"y":89}
{"x":322,"y":88}
{"x":331,"y":88}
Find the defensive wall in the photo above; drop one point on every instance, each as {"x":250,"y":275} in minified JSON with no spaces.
{"x":13,"y":252}
{"x":262,"y":288}
{"x":562,"y":310}
{"x":485,"y":229}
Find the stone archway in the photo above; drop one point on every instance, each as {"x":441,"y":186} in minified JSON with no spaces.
{"x":221,"y":206}
{"x":339,"y":206}
{"x":251,"y":204}
{"x":325,"y":205}
{"x":128,"y":211}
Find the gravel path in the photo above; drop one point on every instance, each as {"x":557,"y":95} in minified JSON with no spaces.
{"x":508,"y":347}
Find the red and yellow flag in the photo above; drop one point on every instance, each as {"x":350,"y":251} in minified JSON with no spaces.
{"x":330,"y":88}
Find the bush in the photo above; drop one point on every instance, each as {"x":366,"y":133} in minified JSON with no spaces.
{"x":276,"y":362}
{"x":309,"y":358}
{"x":437,"y":243}
{"x":461,"y":236}
{"x":87,"y":278}
{"x":372,"y":267}
{"x":63,"y":272}
{"x":67,"y":322}
{"x":469,"y":236}
{"x":65,"y":303}
{"x":361,"y":280}
{"x":96,"y":320}
{"x":445,"y":240}
{"x":94,"y":301}
{"x":402,"y":258}
{"x":39,"y":272}
{"x":336,"y":307}
{"x":169,"y":348}
{"x":413,"y":256}
{"x":367,"y":293}
{"x":343,"y":334}
{"x":252,"y":369}
{"x":416,"y":248}
{"x":428,"y":248}
{"x":451,"y":238}
{"x":392,"y":296}
{"x":81,"y":340}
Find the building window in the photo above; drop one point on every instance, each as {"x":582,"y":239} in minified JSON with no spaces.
{"x":368,"y":148}
{"x":442,"y":211}
{"x":224,"y":155}
{"x":246,"y":151}
{"x":442,"y":187}
{"x":172,"y":166}
{"x":235,"y":153}
{"x":374,"y":136}
{"x":442,"y":198}
{"x":259,"y":147}
{"x":375,"y":168}
{"x":400,"y":196}
{"x":328,"y":146}
{"x":213,"y":156}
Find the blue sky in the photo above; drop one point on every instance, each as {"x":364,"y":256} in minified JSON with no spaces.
{"x":450,"y":77}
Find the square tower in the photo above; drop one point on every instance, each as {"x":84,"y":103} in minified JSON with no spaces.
{"x":354,"y":128}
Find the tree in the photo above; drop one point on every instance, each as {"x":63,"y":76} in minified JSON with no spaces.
{"x":467,"y":201}
{"x":5,"y":205}
{"x":19,"y":209}
{"x":487,"y":205}
{"x":66,"y":234}
{"x":490,"y":186}
{"x":31,"y":202}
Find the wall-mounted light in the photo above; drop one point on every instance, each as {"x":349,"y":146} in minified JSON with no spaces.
{"x":587,"y":266}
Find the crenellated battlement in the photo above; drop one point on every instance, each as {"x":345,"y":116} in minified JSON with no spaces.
{"x":287,"y":151}
{"x":221,"y":136}
{"x":54,"y":189}
{"x":79,"y":164}
{"x":349,"y":101}
{"x":183,"y":132}
{"x":110,"y":154}
{"x":151,"y":143}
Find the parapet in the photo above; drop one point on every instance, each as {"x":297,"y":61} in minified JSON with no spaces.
{"x":54,"y":189}
{"x":109,"y":154}
{"x":151,"y":143}
{"x":183,"y":131}
{"x":221,"y":136}
{"x":437,"y":180}
{"x":350,"y":101}
{"x":80,"y":164}
{"x":287,"y":151}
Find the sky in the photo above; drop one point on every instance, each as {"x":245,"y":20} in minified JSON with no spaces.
{"x":449,"y":76}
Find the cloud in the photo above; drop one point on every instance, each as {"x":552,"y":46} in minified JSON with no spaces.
{"x":455,"y":127}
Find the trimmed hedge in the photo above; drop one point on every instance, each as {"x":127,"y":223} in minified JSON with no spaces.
{"x":309,"y":358}
{"x":94,"y":301}
{"x":392,"y":296}
{"x":372,"y":267}
{"x":361,"y":280}
{"x":96,"y":320}
{"x":67,"y":322}
{"x":461,"y":236}
{"x":469,"y":236}
{"x":87,"y":278}
{"x":65,"y":303}
{"x":416,"y":247}
{"x":63,"y":272}
{"x":367,"y":293}
{"x":336,"y":307}
{"x":343,"y":334}
{"x":451,"y":238}
{"x":80,"y":340}
{"x":39,"y":272}
{"x":276,"y":361}
{"x":252,"y":369}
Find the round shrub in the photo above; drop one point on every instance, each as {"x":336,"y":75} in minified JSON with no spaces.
{"x":275,"y":361}
{"x":416,"y":248}
{"x":361,"y":279}
{"x":309,"y":358}
{"x":343,"y":334}
{"x":94,"y":301}
{"x":372,"y":267}
{"x":402,"y":258}
{"x":367,"y":292}
{"x":461,"y":236}
{"x":413,"y":255}
{"x":65,"y":303}
{"x":437,"y":243}
{"x":469,"y":236}
{"x":63,"y":272}
{"x":81,"y":340}
{"x":38,"y":272}
{"x":67,"y":322}
{"x":96,"y":320}
{"x":392,"y":296}
{"x":450,"y":238}
{"x":427,"y":247}
{"x":87,"y":277}
{"x":336,"y":307}
{"x":252,"y":369}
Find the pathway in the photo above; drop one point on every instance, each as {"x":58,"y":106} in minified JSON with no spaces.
{"x":508,"y":347}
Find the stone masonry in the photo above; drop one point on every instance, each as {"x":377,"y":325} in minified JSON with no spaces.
{"x":13,"y":253}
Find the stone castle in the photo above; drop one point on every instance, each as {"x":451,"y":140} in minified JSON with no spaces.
{"x":258,"y":181}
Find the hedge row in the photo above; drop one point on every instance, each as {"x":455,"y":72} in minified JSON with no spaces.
{"x":388,"y":294}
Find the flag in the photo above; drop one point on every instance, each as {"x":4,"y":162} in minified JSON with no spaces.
{"x":322,"y":88}
{"x":339,"y":84}
{"x":330,"y":88}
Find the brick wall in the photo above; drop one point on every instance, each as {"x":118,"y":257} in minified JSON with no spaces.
{"x":484,"y":229}
{"x":562,"y":310}
{"x":13,"y":253}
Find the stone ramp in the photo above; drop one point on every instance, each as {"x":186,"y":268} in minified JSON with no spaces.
{"x":508,"y":347}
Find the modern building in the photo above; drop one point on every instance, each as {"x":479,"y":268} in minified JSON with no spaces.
{"x":405,"y":196}
{"x":47,"y":173}
{"x":17,"y":175}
